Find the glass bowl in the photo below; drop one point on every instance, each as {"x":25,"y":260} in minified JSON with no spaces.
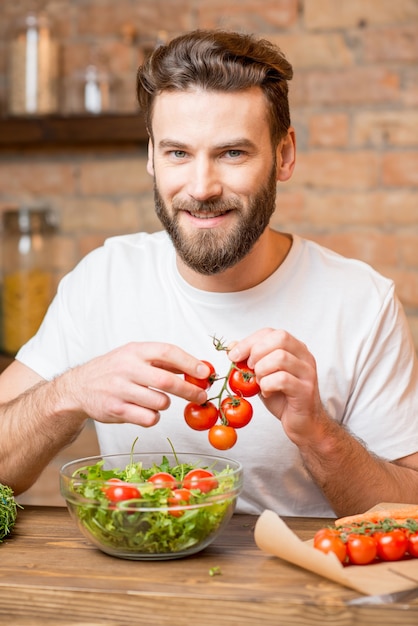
{"x":127,"y":509}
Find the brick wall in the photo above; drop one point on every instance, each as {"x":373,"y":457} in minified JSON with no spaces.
{"x":354,"y":102}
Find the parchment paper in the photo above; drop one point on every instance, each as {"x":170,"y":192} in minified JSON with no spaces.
{"x":275,"y":538}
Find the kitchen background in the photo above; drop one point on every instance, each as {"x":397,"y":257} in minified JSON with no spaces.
{"x":354,"y":103}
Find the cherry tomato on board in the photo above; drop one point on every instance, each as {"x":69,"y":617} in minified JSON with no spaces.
{"x":119,"y":491}
{"x":413,"y":544}
{"x":201,"y":479}
{"x":203,"y":383}
{"x":242,"y":381}
{"x":178,"y":497}
{"x":163,"y":480}
{"x":328,"y":540}
{"x":361,"y":549}
{"x":391,"y":545}
{"x":237,"y":411}
{"x":222,"y":437}
{"x":201,"y":416}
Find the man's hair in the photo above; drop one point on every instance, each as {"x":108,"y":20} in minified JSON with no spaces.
{"x":218,"y":61}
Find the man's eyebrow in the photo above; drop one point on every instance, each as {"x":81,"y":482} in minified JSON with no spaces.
{"x":239,"y":142}
{"x":172,"y":143}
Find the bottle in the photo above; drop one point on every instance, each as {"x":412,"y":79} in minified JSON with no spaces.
{"x":92,"y":88}
{"x":33,"y":68}
{"x":27,"y":270}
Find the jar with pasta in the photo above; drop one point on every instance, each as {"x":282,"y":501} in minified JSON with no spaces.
{"x":27,"y":268}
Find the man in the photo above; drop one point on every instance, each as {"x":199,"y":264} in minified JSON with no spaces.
{"x":335,"y":427}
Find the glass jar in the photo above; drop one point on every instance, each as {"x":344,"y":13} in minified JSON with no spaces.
{"x":27,"y":256}
{"x":33,"y":68}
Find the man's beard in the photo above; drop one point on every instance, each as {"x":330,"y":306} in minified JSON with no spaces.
{"x":211,"y":251}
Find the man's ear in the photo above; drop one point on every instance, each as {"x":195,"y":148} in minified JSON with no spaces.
{"x":286,"y":156}
{"x":150,"y":162}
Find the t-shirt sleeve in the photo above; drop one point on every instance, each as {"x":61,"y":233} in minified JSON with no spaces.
{"x":382,"y":410}
{"x":59,"y":341}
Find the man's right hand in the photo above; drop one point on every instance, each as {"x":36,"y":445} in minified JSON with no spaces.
{"x":133,"y":383}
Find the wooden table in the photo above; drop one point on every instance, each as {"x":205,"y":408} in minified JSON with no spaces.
{"x":49,"y":574}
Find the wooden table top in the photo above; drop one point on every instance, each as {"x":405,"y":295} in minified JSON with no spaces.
{"x":50,"y":574}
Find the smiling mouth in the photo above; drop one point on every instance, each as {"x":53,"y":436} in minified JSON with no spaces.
{"x":207,"y":215}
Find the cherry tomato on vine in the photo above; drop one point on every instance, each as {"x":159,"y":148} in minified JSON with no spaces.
{"x":328,"y":540}
{"x":222,"y":437}
{"x":241,"y":380}
{"x":163,"y":480}
{"x":361,"y":549}
{"x":237,"y":411}
{"x":178,"y":497}
{"x":203,"y":383}
{"x":201,"y":479}
{"x":391,"y":545}
{"x":201,"y":416}
{"x":118,"y":491}
{"x":413,"y":544}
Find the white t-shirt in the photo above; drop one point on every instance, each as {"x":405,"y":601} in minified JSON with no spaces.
{"x":346,"y":313}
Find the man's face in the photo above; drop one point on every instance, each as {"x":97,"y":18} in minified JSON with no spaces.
{"x":214,"y":174}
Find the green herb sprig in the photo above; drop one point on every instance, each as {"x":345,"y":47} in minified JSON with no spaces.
{"x":8,"y":511}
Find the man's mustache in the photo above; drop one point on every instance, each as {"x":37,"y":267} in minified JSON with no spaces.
{"x":212,"y":206}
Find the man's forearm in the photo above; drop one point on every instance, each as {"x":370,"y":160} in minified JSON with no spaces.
{"x":352,"y":479}
{"x":33,"y":429}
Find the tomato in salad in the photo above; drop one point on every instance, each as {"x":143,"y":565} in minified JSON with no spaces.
{"x":201,"y":479}
{"x":163,"y":480}
{"x":178,"y":497}
{"x":117,"y":490}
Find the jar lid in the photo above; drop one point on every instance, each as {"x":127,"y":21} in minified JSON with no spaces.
{"x":29,"y":220}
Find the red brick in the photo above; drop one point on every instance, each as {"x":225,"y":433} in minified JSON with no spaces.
{"x":317,"y":211}
{"x":313,"y":50}
{"x":290,"y":208}
{"x":332,"y":210}
{"x":87,"y":215}
{"x":108,"y":17}
{"x":247,"y":15}
{"x":408,"y":250}
{"x":30,"y":178}
{"x":356,"y":86}
{"x":114,"y":176}
{"x":87,"y":243}
{"x":374,"y":248}
{"x":386,"y":128}
{"x":400,"y":169}
{"x":391,"y":44}
{"x":413,"y":324}
{"x":331,"y":14}
{"x":406,"y":286}
{"x":328,"y":130}
{"x":410,"y":92}
{"x":336,"y":170}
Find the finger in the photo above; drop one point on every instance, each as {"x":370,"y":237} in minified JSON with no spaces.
{"x":263,"y":342}
{"x":172,"y":358}
{"x":241,"y":350}
{"x":132,"y":414}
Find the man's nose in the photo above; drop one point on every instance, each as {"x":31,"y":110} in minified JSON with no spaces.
{"x":204,"y":183}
